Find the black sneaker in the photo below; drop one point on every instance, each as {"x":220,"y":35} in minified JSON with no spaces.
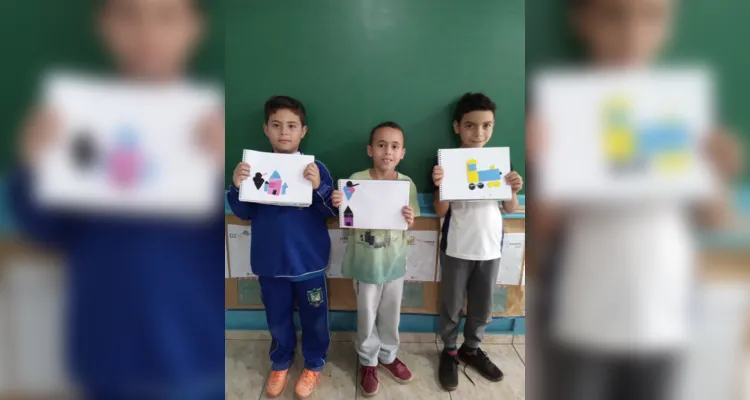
{"x":448,"y":371}
{"x":478,"y":360}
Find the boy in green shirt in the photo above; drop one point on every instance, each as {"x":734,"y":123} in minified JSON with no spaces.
{"x":376,"y":261}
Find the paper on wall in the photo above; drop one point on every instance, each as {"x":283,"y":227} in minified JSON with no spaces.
{"x":421,"y":255}
{"x":339,"y":241}
{"x":226,"y":262}
{"x":512,"y":259}
{"x":238,"y":239}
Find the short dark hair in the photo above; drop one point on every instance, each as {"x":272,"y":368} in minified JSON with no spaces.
{"x":387,"y":124}
{"x":276,"y":103}
{"x":472,"y":102}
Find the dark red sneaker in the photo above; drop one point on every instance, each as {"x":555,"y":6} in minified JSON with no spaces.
{"x":368,"y":381}
{"x":398,"y":370}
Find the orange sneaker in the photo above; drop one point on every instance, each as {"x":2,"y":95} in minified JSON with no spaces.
{"x":307,"y":383}
{"x":276,"y":383}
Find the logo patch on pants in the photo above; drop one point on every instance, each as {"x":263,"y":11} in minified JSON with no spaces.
{"x":315,"y":297}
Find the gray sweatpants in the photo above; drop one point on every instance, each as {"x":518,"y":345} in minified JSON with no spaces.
{"x":476,"y":281}
{"x":378,"y":316}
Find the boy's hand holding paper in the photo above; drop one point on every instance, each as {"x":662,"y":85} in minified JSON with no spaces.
{"x":241,"y":172}
{"x":312,"y":174}
{"x":39,"y":132}
{"x":514,"y":180}
{"x":408,"y":214}
{"x":437,"y":175}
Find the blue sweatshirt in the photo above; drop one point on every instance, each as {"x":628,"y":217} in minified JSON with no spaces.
{"x":145,"y":297}
{"x":289,"y":242}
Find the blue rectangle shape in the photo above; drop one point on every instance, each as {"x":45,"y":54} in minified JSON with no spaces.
{"x":489,"y":175}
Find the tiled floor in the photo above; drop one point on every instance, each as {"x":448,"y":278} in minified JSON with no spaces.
{"x":247,"y":366}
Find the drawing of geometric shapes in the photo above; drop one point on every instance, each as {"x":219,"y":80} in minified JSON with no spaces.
{"x":349,"y":189}
{"x":348,"y":217}
{"x":488,"y":175}
{"x":672,"y":163}
{"x":274,"y":184}
{"x":84,"y":151}
{"x":126,"y":167}
{"x":496,"y":182}
{"x":258,"y":180}
{"x":666,"y":138}
{"x":471,"y":172}
{"x":619,"y":135}
{"x":620,"y":144}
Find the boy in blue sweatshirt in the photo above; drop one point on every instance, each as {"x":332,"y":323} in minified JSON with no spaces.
{"x":145,"y":296}
{"x":289,"y":254}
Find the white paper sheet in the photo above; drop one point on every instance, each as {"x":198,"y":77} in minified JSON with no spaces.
{"x":622,"y":135}
{"x":339,"y":241}
{"x":277,"y":179}
{"x":128,"y":148}
{"x":239,"y":250}
{"x":475,"y":174}
{"x":421,"y":255}
{"x":373,"y":204}
{"x":226,"y":262}
{"x":512,"y":259}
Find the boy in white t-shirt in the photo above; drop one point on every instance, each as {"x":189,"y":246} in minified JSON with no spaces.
{"x":624,"y":273}
{"x":472,"y":236}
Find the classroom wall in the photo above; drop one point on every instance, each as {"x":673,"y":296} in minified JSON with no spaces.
{"x":357,"y":63}
{"x":422,"y":286}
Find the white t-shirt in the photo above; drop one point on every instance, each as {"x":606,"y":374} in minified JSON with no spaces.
{"x":625,"y":279}
{"x":475,"y":230}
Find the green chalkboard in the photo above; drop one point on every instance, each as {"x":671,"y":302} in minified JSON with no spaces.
{"x":705,"y":31}
{"x":356,"y":63}
{"x":39,"y":34}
